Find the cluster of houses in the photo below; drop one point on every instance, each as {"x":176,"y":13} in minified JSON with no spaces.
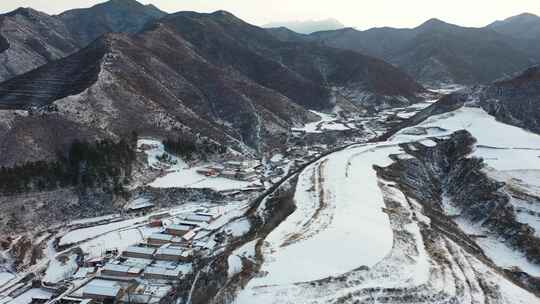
{"x":148,"y":272}
{"x":243,"y":170}
{"x":304,"y":154}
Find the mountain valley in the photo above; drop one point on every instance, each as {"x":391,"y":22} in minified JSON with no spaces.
{"x":155,"y":157}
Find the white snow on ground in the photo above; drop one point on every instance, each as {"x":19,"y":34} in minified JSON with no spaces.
{"x":497,"y":250}
{"x":514,"y":294}
{"x":120,"y":240}
{"x":505,"y":256}
{"x":525,"y":217}
{"x":94,"y":241}
{"x":345,"y":228}
{"x":503,"y":147}
{"x":180,"y":175}
{"x":5,"y":277}
{"x":327,"y":122}
{"x":60,"y":270}
{"x":234,"y":261}
{"x":322,"y":241}
{"x":276,"y":157}
{"x":507,"y":149}
{"x":189,"y":178}
{"x":157,"y":150}
{"x":238,"y":228}
{"x":527,"y":181}
{"x":448,"y":89}
{"x":26,"y":298}
{"x":79,"y":235}
{"x":94,"y":219}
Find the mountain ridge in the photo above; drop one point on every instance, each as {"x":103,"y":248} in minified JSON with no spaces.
{"x":30,"y":38}
{"x":211,"y":76}
{"x":438,"y":52}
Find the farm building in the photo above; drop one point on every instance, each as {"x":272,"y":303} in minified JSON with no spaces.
{"x":159,"y":216}
{"x":147,"y":294}
{"x":120,"y":270}
{"x":214,"y":215}
{"x":178,"y":230}
{"x":197,"y":218}
{"x":101,"y":290}
{"x":139,"y":204}
{"x":139,"y":252}
{"x":159,"y":273}
{"x":172,"y":254}
{"x":160,"y":239}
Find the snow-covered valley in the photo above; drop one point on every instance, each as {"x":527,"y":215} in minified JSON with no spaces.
{"x":367,"y":224}
{"x":355,"y":237}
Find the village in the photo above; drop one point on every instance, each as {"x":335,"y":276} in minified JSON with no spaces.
{"x":150,"y":271}
{"x":149,"y":254}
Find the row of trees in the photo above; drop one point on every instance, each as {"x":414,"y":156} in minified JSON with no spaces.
{"x":105,"y":164}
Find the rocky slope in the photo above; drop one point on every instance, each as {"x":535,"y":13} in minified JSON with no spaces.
{"x":515,"y":101}
{"x":207,"y":75}
{"x":30,"y":39}
{"x":125,"y":16}
{"x":431,"y":258}
{"x":437,"y":52}
{"x":445,"y":177}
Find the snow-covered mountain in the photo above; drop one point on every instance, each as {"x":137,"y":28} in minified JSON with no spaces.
{"x":30,"y":39}
{"x":207,"y":74}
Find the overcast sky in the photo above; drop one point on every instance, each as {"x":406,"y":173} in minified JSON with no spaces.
{"x":356,"y":13}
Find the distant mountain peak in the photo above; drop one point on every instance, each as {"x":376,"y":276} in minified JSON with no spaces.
{"x":223,"y":13}
{"x":434,"y":23}
{"x":521,"y":18}
{"x":525,"y":16}
{"x":524,"y":25}
{"x":25,"y":11}
{"x":122,"y":2}
{"x":308,"y":26}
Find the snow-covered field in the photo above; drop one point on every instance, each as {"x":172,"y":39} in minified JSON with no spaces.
{"x":60,"y":270}
{"x":5,"y":277}
{"x":80,"y":235}
{"x":502,"y":146}
{"x":510,"y":152}
{"x":339,"y":210}
{"x":180,"y":175}
{"x":339,"y":225}
{"x":189,"y":178}
{"x":328,"y":122}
